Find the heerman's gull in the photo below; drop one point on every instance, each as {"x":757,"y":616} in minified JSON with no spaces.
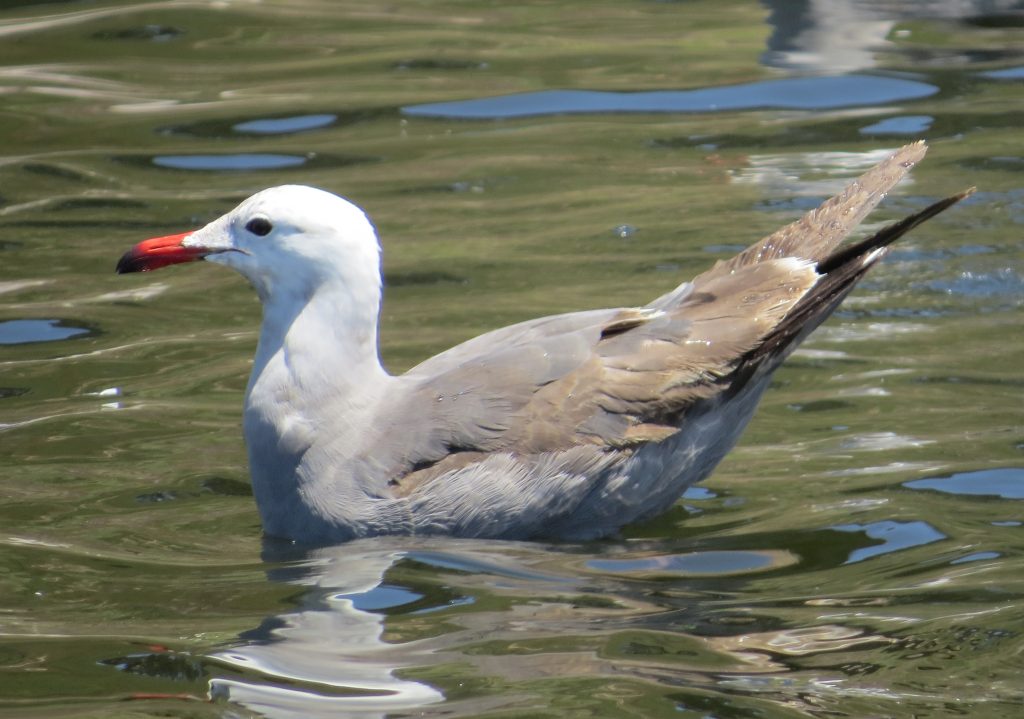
{"x":567,"y":426}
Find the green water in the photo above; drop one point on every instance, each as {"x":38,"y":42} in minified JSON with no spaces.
{"x":858,"y":555}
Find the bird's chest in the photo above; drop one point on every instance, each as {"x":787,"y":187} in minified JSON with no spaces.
{"x":278,"y":420}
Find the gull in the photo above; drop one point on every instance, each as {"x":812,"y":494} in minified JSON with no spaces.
{"x":567,"y":427}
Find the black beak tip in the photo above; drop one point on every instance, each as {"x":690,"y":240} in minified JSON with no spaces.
{"x":130,"y":262}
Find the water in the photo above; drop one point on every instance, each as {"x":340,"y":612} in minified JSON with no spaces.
{"x":858,"y":555}
{"x":797,"y":93}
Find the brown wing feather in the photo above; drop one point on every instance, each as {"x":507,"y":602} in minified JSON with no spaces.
{"x":620,"y":378}
{"x":640,"y":370}
{"x":637,"y":382}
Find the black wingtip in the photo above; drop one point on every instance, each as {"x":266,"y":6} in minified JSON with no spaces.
{"x":839,"y":273}
{"x":887,"y":235}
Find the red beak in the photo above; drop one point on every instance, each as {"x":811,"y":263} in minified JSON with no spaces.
{"x":159,"y":252}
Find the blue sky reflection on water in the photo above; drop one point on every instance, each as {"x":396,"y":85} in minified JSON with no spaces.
{"x":14,"y":332}
{"x":893,"y":535}
{"x":909,"y":125}
{"x":796,"y":93}
{"x":235,"y":162}
{"x":285,"y":125}
{"x":1004,"y":482}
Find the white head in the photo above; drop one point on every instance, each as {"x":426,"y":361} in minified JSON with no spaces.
{"x":288,"y":241}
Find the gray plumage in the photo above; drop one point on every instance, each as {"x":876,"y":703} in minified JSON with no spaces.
{"x":566,"y":426}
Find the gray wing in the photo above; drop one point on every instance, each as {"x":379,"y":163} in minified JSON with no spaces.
{"x":611,"y":378}
{"x":619,"y":378}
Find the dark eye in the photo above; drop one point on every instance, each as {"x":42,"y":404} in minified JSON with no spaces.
{"x":260,"y":226}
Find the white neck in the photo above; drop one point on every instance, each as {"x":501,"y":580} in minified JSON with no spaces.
{"x":314,"y":387}
{"x":326,"y":339}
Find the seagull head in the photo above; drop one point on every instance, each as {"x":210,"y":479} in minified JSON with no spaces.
{"x":290,"y":240}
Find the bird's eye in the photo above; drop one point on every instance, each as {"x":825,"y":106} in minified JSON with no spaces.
{"x":260,"y":226}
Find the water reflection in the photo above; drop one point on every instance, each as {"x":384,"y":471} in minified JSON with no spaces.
{"x":241,"y":161}
{"x":891,"y":536}
{"x":813,"y":581}
{"x":699,"y":563}
{"x":285,"y":125}
{"x":794,"y":93}
{"x":847,"y":35}
{"x":1010,"y":73}
{"x":16,"y":332}
{"x":824,"y":35}
{"x":333,"y":642}
{"x":798,"y":180}
{"x":908,"y":125}
{"x":1006,"y":482}
{"x":388,"y":626}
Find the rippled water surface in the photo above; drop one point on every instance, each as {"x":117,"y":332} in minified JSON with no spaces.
{"x":858,"y":555}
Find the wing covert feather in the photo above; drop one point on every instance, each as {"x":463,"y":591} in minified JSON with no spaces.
{"x":616,"y":378}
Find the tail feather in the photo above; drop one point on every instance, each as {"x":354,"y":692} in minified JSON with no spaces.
{"x":840,"y":272}
{"x":816,"y":235}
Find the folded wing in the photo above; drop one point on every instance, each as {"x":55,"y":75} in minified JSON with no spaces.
{"x":621,"y":378}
